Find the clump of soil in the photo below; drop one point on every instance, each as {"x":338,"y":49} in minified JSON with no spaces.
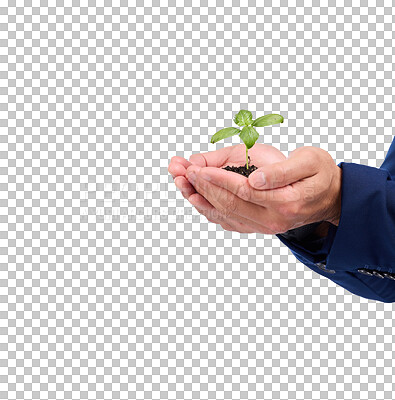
{"x":242,"y":170}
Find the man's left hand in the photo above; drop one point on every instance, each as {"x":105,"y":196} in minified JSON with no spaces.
{"x":302,"y":189}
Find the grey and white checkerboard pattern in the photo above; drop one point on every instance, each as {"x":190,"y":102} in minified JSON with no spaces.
{"x":112,"y":286}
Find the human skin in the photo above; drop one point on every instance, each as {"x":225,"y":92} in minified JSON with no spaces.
{"x":301,"y":189}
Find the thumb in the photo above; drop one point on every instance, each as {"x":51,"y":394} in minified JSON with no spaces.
{"x":283,"y":173}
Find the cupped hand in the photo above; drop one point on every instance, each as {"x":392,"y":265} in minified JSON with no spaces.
{"x":279,"y":196}
{"x":260,"y":155}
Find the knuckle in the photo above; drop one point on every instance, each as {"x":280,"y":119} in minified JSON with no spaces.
{"x":280,"y":175}
{"x":218,"y":217}
{"x":227,"y":227}
{"x":230,"y":207}
{"x":243,"y":192}
{"x":226,"y":205}
{"x":198,"y":159}
{"x":212,"y":216}
{"x":265,"y":231}
{"x":175,"y":160}
{"x":215,"y":216}
{"x":317,"y":155}
{"x":244,"y":228}
{"x":278,"y":227}
{"x":209,"y":219}
{"x":290,"y":210}
{"x":289,"y":204}
{"x":296,"y":209}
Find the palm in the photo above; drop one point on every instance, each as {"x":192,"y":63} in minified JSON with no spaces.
{"x":260,"y":155}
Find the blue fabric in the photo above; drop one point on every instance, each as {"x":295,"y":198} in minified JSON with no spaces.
{"x":365,"y":237}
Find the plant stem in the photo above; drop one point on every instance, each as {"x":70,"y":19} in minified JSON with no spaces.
{"x":247,"y":156}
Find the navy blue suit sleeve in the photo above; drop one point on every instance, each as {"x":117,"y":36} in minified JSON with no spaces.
{"x":364,"y":239}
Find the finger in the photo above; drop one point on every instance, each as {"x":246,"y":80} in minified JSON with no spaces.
{"x":232,"y":207}
{"x":191,"y":173}
{"x":209,"y":211}
{"x":178,"y":166}
{"x":264,"y":154}
{"x":239,"y":186}
{"x":227,"y":207}
{"x":300,"y":164}
{"x":184,"y":186}
{"x":180,"y":160}
{"x":212,"y":215}
{"x":205,"y":208}
{"x":197,"y":200}
{"x":215,"y":158}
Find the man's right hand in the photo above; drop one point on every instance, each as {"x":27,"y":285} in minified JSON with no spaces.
{"x":260,"y":154}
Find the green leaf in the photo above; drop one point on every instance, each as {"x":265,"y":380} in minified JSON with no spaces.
{"x":249,"y":136}
{"x":224,"y":133}
{"x":269,"y":119}
{"x":243,"y":117}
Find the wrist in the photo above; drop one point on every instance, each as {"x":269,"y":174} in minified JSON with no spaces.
{"x":335,"y":207}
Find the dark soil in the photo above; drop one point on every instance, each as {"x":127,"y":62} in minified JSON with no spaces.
{"x":242,"y":170}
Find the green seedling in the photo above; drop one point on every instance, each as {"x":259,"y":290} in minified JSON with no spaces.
{"x":248,"y":133}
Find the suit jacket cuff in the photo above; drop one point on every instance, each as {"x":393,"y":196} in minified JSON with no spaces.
{"x":365,"y":237}
{"x":304,"y":243}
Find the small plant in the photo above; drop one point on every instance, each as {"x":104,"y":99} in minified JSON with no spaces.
{"x":248,"y":133}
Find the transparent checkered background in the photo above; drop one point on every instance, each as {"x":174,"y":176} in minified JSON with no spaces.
{"x":112,"y":286}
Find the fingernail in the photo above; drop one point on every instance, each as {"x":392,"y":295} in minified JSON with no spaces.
{"x":260,"y":180}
